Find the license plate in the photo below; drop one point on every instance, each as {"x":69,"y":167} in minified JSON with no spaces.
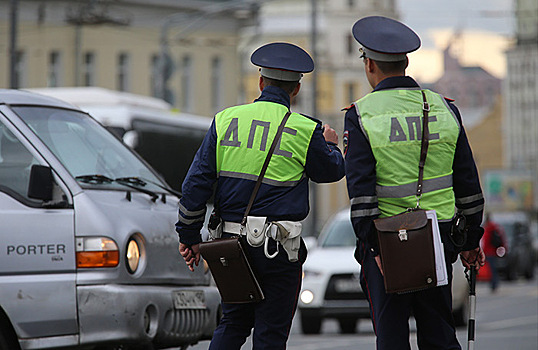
{"x":347,"y":286}
{"x":189,"y":299}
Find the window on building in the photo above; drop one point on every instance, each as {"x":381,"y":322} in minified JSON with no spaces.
{"x":154,"y":71}
{"x":216,"y":79}
{"x":350,"y":41}
{"x":89,"y":69}
{"x":54,"y":69}
{"x":186,"y":84}
{"x":351,"y":93}
{"x":19,"y":73}
{"x":123,"y":72}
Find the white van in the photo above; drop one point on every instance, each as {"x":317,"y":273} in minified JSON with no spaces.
{"x":88,"y":249}
{"x":166,"y":139}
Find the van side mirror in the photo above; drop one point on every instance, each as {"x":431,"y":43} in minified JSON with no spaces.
{"x":41,"y":181}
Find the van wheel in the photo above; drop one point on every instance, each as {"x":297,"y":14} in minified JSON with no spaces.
{"x":8,"y":338}
{"x":7,"y":343}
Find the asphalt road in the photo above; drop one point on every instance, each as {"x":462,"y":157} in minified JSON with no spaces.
{"x":506,"y":319}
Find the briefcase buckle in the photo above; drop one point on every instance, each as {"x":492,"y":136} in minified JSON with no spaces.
{"x":223,"y":261}
{"x":402,"y":235}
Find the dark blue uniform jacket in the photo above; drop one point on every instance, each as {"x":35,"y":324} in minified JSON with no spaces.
{"x":324,"y":163}
{"x":361,"y":178}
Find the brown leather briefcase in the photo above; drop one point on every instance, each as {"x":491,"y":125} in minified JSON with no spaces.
{"x":407,"y":251}
{"x":231,"y":270}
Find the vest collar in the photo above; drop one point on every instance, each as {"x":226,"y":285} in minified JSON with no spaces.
{"x":397,"y":82}
{"x":274,"y":94}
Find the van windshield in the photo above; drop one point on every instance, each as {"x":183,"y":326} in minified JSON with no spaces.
{"x":85,"y":148}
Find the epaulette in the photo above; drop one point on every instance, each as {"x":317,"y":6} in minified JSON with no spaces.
{"x":348,"y":107}
{"x":449,"y":99}
{"x":312,"y":118}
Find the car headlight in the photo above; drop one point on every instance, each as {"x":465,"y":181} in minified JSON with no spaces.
{"x":307,"y":296}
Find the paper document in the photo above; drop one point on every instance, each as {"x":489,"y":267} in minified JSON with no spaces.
{"x":440,"y":263}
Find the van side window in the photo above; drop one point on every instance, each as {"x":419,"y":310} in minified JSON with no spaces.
{"x":15,"y":164}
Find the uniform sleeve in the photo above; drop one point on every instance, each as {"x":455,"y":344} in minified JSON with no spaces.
{"x":197,"y":188}
{"x":324,"y":161}
{"x":361,"y":181}
{"x":467,"y":190}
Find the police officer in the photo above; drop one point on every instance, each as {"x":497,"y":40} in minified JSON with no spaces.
{"x":382,"y":140}
{"x":231,"y":156}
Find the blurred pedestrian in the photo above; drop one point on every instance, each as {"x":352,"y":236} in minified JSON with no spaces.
{"x":231,"y":157}
{"x":495,"y":247}
{"x":382,"y":146}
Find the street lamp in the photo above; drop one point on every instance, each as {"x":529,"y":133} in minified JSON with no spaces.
{"x":13,"y":81}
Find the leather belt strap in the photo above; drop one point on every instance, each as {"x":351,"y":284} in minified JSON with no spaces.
{"x":424,"y":145}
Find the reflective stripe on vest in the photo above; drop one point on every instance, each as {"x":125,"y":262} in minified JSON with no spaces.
{"x":245,"y":134}
{"x":392,"y":122}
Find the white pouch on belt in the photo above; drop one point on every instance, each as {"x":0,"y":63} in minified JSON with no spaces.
{"x":255,"y":227}
{"x":288,"y":233}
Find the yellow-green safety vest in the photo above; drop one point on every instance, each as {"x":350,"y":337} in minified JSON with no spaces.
{"x":392,"y":121}
{"x":245,"y":134}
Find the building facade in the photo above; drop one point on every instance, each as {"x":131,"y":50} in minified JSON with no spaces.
{"x":119,"y":45}
{"x":472,"y":87}
{"x":520,"y":123}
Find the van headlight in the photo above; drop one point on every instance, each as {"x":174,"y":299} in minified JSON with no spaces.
{"x":134,"y":254}
{"x":96,"y":252}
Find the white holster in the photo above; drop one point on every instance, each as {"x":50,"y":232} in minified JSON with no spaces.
{"x":288,"y":233}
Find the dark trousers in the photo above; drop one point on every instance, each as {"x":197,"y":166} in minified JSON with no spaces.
{"x":494,"y":282}
{"x":432,"y":309}
{"x":271,"y":318}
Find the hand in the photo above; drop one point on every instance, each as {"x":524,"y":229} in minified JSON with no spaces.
{"x":475,"y":257}
{"x":191,"y":254}
{"x":329,"y":134}
{"x":378,"y":262}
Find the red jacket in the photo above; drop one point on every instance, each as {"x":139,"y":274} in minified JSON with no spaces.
{"x":487,"y":244}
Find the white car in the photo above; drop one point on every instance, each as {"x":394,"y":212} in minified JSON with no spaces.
{"x":331,"y":287}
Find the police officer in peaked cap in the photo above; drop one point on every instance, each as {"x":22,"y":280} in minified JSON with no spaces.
{"x":229,"y":160}
{"x":382,"y":140}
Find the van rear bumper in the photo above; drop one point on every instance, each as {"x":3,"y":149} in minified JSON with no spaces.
{"x":144,"y":314}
